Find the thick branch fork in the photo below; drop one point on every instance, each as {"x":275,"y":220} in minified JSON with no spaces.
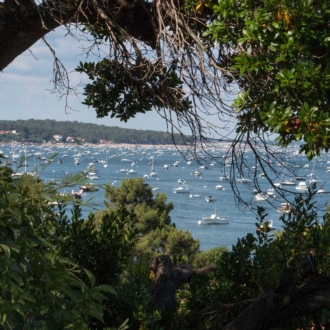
{"x":169,"y":277}
{"x":271,"y":309}
{"x":22,"y":23}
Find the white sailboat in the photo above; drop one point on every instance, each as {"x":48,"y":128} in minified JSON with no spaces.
{"x":213,"y":219}
{"x":14,"y":155}
{"x":133,"y":162}
{"x":106,"y":161}
{"x":152,"y":173}
{"x":312,"y":178}
{"x":210,"y":199}
{"x":25,"y":163}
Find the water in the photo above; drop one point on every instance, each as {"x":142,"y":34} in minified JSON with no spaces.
{"x":187,"y":210}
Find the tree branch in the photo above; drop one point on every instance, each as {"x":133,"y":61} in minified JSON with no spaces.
{"x":273,"y":310}
{"x":21,"y":27}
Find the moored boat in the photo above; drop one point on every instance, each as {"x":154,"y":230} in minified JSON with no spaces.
{"x":260,"y":197}
{"x":302,"y":186}
{"x":271,"y":192}
{"x":288,"y":182}
{"x":213,"y":219}
{"x":88,"y":187}
{"x":181,"y":190}
{"x":210,"y":199}
{"x":244,"y":180}
{"x":77,"y":194}
{"x":197,"y":173}
{"x":224,"y":178}
{"x":285,"y":208}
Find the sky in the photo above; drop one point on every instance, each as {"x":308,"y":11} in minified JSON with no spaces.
{"x":25,"y":88}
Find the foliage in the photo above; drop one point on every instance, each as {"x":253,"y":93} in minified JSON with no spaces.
{"x":209,"y":257}
{"x":126,"y":93}
{"x":279,"y":54}
{"x":276,"y":264}
{"x":96,"y":246}
{"x":135,"y":294}
{"x":103,"y":248}
{"x":39,"y":288}
{"x":131,"y":192}
{"x":177,"y":243}
{"x":49,"y":257}
{"x":157,"y":235}
{"x":152,"y":212}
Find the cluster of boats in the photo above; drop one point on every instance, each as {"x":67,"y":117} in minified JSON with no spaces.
{"x":204,"y":185}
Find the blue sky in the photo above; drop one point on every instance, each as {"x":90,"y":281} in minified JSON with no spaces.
{"x":26,"y":83}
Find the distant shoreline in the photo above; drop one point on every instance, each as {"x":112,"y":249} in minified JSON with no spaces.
{"x":104,"y":145}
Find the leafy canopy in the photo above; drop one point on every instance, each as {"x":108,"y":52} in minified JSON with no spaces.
{"x":39,"y":287}
{"x":124,"y":92}
{"x":279,"y":53}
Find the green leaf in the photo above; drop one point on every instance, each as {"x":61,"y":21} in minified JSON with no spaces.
{"x":96,"y":314}
{"x":6,"y":249}
{"x":3,"y":317}
{"x":90,"y":276}
{"x":106,"y":288}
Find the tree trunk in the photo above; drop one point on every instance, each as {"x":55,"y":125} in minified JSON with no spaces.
{"x":168,"y":278}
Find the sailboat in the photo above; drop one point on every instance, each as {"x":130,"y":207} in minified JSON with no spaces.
{"x":14,"y":155}
{"x":106,"y":160}
{"x":25,"y":164}
{"x":133,"y":162}
{"x":152,"y":173}
{"x":213,"y":219}
{"x":312,"y":178}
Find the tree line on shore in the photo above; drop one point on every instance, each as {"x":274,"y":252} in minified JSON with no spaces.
{"x":38,"y":131}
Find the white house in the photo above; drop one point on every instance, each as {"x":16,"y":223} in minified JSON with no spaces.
{"x":58,"y":137}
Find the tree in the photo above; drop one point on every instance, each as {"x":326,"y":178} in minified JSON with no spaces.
{"x":156,"y":236}
{"x":152,"y":212}
{"x":39,"y":288}
{"x":279,"y":57}
{"x":289,"y":273}
{"x":157,"y":233}
{"x":103,"y":248}
{"x":168,"y":240}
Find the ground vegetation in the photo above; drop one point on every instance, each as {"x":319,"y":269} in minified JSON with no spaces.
{"x":101,"y":271}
